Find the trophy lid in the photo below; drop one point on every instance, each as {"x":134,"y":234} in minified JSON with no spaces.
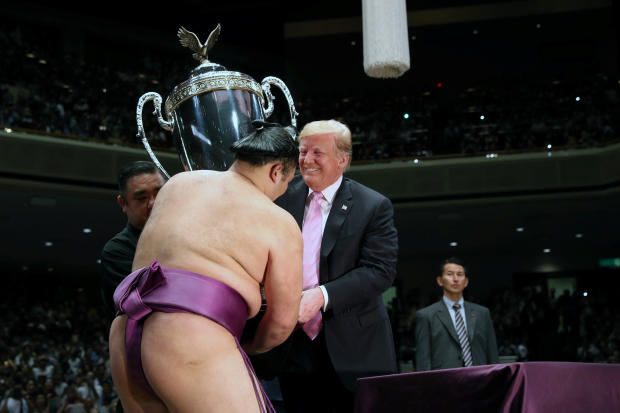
{"x":207,"y":76}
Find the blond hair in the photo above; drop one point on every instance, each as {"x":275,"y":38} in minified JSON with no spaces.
{"x":339,"y":129}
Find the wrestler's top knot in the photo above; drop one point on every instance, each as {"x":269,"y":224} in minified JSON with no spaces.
{"x":269,"y":142}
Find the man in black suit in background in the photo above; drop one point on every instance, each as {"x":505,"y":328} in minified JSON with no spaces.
{"x":453,"y":332}
{"x":138,"y":184}
{"x":344,"y":330}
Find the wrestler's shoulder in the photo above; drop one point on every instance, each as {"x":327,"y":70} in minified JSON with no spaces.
{"x":285,"y":220}
{"x":192,"y":176}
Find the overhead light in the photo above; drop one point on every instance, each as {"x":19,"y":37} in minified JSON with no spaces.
{"x":547,"y":250}
{"x":549,"y":146}
{"x":519,"y":229}
{"x":406,"y":116}
{"x":454,"y":244}
{"x":481,"y":117}
{"x":87,"y":230}
{"x":577,"y":99}
{"x":8,"y":130}
{"x":416,"y":160}
{"x":48,"y":243}
{"x":579,"y":235}
{"x":585,"y":293}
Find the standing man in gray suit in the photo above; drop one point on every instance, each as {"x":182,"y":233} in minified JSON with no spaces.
{"x":454,"y":332}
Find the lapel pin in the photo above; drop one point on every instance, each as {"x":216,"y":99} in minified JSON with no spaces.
{"x":344,"y":207}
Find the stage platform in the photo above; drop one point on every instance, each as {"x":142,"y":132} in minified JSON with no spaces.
{"x":534,"y":387}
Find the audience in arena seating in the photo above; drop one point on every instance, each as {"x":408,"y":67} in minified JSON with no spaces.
{"x":47,"y":91}
{"x":54,"y":355}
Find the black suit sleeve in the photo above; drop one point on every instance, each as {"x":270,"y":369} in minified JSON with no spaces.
{"x":116,"y":261}
{"x":376,"y":265}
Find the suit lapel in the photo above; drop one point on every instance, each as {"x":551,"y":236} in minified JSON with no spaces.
{"x":470,"y":317}
{"x":343,"y":201}
{"x":444,"y":317}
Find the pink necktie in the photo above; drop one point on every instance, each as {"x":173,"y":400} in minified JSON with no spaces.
{"x":312,"y":234}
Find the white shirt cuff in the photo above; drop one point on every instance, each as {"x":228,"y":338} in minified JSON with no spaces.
{"x":325,"y":297}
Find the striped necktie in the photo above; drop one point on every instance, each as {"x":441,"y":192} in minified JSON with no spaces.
{"x":312,"y":233}
{"x":462,"y":333}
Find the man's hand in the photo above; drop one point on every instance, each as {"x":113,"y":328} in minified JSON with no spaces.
{"x":311,"y":302}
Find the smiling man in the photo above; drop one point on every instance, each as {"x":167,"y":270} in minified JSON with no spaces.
{"x":454,"y":332}
{"x":350,"y":254}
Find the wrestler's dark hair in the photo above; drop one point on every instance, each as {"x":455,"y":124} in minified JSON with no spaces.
{"x":269,"y":142}
{"x":134,"y":169}
{"x":452,"y":260}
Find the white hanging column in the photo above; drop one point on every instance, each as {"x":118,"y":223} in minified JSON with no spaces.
{"x":386,"y":40}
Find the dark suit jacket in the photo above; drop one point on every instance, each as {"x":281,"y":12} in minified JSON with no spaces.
{"x":437,"y":344}
{"x":357,"y":264}
{"x":116,"y":260}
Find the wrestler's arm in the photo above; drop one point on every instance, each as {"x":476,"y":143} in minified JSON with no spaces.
{"x":282,"y":282}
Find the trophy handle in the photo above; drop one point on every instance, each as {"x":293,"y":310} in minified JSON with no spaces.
{"x":167,"y":125}
{"x":266,"y":86}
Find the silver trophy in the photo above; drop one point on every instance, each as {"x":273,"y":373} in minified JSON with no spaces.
{"x":211,"y":110}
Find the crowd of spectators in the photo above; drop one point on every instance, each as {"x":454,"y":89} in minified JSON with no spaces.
{"x":577,"y":326}
{"x":54,"y":352}
{"x":49,"y":91}
{"x":533,"y":324}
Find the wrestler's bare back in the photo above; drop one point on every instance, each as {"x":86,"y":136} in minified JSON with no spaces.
{"x":220,"y":225}
{"x":216,"y":224}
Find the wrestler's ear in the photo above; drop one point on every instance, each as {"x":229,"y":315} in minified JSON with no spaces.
{"x":275,"y":172}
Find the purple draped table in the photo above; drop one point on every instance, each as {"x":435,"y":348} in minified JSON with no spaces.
{"x":535,"y":387}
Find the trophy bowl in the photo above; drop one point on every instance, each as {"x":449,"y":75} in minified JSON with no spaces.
{"x":210,"y":110}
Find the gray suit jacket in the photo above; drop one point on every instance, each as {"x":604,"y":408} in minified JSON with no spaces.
{"x":437,"y":344}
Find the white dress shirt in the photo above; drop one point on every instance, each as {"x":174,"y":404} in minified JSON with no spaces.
{"x":449,"y":303}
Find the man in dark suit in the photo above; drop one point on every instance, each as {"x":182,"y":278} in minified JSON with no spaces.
{"x":344,"y":330}
{"x":453,"y":332}
{"x":138,"y":185}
